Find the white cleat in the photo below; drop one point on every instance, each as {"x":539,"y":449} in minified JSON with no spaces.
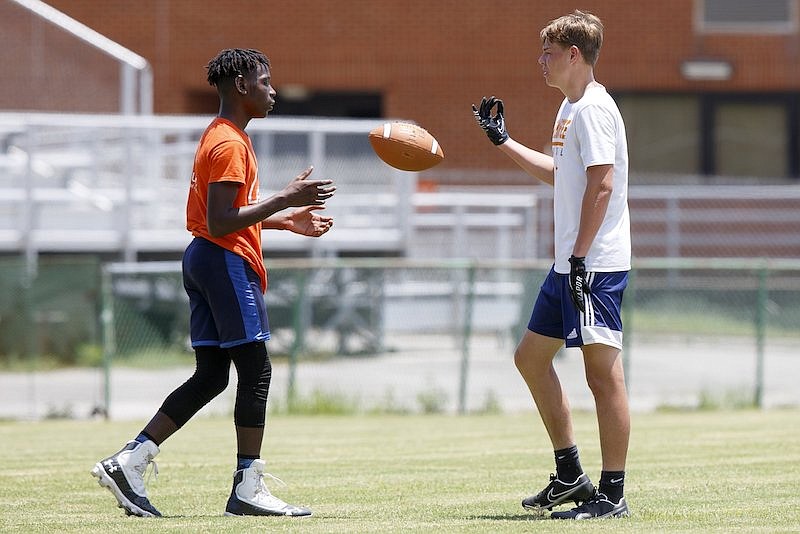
{"x":123,"y":475}
{"x":250,"y":496}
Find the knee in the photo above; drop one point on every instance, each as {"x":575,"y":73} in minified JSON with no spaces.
{"x":216,"y":384}
{"x":207,"y":385}
{"x":606,"y":386}
{"x":521,"y":360}
{"x":532,"y":360}
{"x":257,"y":376}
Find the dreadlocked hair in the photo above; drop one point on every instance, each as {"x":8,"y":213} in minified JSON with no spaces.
{"x":232,"y":62}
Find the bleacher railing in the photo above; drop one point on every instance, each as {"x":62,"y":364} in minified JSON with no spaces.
{"x":102,"y":183}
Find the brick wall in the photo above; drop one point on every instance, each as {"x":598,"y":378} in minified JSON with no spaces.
{"x":430,"y":60}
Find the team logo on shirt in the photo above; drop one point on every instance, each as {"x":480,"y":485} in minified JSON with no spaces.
{"x":559,"y":135}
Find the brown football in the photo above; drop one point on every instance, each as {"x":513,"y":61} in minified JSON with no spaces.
{"x":405,"y":146}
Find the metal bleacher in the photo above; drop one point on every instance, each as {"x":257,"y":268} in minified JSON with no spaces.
{"x":117,"y":184}
{"x":113,"y":183}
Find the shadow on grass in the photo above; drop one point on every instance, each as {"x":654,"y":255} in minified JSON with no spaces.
{"x":512,"y":517}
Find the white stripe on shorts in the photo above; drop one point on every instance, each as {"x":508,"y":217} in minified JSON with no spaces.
{"x":588,"y":315}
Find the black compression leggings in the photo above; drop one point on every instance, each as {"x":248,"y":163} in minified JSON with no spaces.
{"x":210,"y":378}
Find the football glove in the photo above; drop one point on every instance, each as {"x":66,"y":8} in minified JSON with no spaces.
{"x":494,"y":126}
{"x":578,"y":286}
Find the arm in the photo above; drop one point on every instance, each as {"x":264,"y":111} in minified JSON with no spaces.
{"x":223,"y":217}
{"x":599,"y":186}
{"x":536,"y":164}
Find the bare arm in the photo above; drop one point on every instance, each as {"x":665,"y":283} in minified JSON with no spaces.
{"x":223,"y":218}
{"x":599,"y":186}
{"x":537,"y":164}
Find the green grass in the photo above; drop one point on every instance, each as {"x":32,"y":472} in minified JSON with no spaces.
{"x":724,"y":471}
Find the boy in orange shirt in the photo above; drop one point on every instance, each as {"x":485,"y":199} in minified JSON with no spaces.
{"x":225,"y":278}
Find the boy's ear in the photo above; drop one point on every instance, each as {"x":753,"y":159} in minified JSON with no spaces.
{"x":240,"y":85}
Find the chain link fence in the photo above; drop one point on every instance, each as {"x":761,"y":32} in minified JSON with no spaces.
{"x":395,"y":335}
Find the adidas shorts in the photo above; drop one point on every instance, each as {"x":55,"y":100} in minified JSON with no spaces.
{"x":555,"y":315}
{"x":225,"y":298}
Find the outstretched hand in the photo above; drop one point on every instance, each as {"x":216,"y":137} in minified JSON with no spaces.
{"x":493,"y":125}
{"x":303,"y":192}
{"x":305,"y":221}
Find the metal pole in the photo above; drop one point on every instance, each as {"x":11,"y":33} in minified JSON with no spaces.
{"x":129,"y":253}
{"x":299,"y":329}
{"x":465,"y":339}
{"x":127,"y":90}
{"x":109,"y":339}
{"x":29,"y":210}
{"x":146,"y":91}
{"x":761,"y":324}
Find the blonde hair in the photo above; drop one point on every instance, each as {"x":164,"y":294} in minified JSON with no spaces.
{"x":579,"y":29}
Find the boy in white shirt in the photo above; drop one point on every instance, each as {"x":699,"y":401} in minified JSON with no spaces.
{"x":579,"y":303}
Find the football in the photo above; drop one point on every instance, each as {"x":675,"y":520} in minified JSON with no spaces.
{"x":405,"y":146}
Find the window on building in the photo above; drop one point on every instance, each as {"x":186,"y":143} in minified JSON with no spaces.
{"x":750,"y":139}
{"x":746,"y":16}
{"x":726,"y":134}
{"x":328,"y":104}
{"x":303,"y":103}
{"x":663,"y":133}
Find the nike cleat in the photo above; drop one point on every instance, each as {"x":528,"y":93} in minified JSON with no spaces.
{"x":598,"y":507}
{"x":558,"y":492}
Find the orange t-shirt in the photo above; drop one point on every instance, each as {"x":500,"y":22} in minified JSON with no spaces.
{"x":225,"y":154}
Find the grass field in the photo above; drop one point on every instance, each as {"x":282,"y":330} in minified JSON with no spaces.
{"x":705,"y":471}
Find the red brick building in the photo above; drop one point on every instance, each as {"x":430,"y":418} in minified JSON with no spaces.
{"x":428,"y":61}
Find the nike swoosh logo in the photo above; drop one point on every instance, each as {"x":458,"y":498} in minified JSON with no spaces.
{"x":616,"y":480}
{"x":553,"y":496}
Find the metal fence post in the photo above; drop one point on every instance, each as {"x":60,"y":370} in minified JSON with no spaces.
{"x":109,"y":341}
{"x":299,"y":330}
{"x":761,"y":324}
{"x":465,"y":339}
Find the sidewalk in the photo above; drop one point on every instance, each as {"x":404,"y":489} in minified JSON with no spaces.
{"x":669,"y":373}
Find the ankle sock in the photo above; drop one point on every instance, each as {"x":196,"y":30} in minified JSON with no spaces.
{"x":568,"y":464}
{"x":244,"y":461}
{"x":612,"y":484}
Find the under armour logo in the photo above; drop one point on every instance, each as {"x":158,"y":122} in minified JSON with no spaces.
{"x":111,"y":466}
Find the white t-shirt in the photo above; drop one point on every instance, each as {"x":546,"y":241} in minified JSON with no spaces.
{"x":586,"y":133}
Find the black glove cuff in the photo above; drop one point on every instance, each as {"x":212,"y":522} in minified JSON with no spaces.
{"x":498,"y":139}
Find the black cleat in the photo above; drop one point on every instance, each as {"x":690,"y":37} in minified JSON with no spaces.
{"x":559,"y":492}
{"x":598,"y":507}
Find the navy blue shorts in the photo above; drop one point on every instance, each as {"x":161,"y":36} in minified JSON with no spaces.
{"x":555,"y":315}
{"x":225,"y":298}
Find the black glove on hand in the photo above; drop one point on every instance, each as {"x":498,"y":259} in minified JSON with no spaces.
{"x":578,"y":286}
{"x":495,"y":127}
